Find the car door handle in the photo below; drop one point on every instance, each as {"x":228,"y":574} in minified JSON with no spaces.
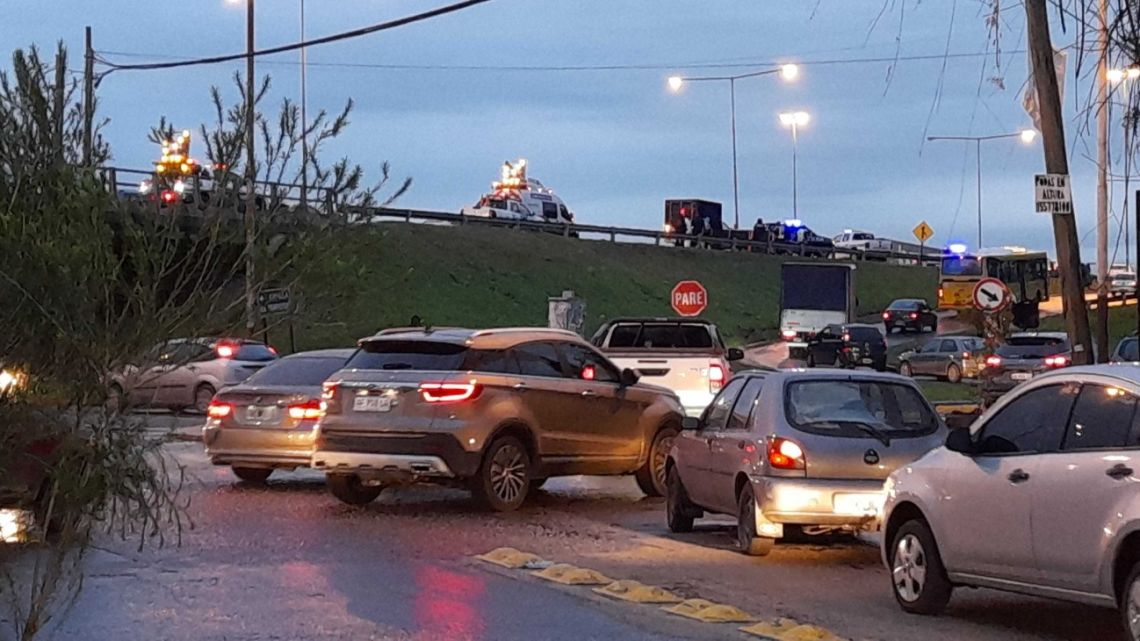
{"x":1119,"y":471}
{"x":1018,"y":476}
{"x":588,"y":393}
{"x":519,"y":387}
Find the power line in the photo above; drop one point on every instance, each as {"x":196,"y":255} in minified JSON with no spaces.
{"x":546,"y":68}
{"x":355,"y":33}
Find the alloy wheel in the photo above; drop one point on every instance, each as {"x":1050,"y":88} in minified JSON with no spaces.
{"x":909,"y":568}
{"x":661,"y":452}
{"x":508,"y":473}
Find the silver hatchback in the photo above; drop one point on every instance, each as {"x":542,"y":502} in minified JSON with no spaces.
{"x":808,"y":449}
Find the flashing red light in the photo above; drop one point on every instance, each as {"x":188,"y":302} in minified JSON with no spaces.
{"x":716,"y":377}
{"x":449,"y":392}
{"x":886,"y":315}
{"x":589,"y":373}
{"x":993,"y":361}
{"x":784,"y":454}
{"x":169,"y":196}
{"x":219,"y":409}
{"x":225,"y":350}
{"x":310,"y":410}
{"x":684,"y":212}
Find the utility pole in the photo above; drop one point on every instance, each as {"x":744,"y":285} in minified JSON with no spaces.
{"x":1056,"y":162}
{"x":304,"y":121}
{"x":88,"y":100}
{"x":251,"y":177}
{"x":1137,"y":255}
{"x":1102,"y":186}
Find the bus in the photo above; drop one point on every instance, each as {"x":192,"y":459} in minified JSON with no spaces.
{"x":1025,"y":273}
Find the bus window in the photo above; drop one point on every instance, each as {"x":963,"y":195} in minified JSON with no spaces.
{"x":961,"y":266}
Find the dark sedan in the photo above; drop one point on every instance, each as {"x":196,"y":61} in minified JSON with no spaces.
{"x":1022,"y":357}
{"x":910,"y":314}
{"x":848,"y":346}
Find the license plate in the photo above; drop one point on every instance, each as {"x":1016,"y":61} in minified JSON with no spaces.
{"x":372,"y":404}
{"x":1021,"y":376}
{"x":261,"y":414}
{"x":867,"y":361}
{"x":859,"y":504}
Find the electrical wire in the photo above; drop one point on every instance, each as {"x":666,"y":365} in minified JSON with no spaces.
{"x":336,"y":37}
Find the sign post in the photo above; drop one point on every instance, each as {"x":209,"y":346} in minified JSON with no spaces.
{"x":272,"y":302}
{"x":689,"y":298}
{"x":923,"y":233}
{"x":991,"y":296}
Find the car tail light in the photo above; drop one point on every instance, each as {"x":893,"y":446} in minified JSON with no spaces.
{"x":913,"y":315}
{"x":788,"y":334}
{"x":449,"y":392}
{"x":965,"y":354}
{"x":939,"y":292}
{"x":169,"y":196}
{"x":786,"y":455}
{"x":886,"y":315}
{"x":1056,"y":361}
{"x":847,"y":338}
{"x":225,"y":350}
{"x":330,"y":396}
{"x":272,"y":349}
{"x":308,"y":411}
{"x":993,"y":361}
{"x":219,"y":409}
{"x":716,"y":377}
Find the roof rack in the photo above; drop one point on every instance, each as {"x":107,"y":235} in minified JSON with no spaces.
{"x":520,"y":330}
{"x":411,"y":330}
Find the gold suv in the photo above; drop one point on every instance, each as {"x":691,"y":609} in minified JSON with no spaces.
{"x":497,"y":410}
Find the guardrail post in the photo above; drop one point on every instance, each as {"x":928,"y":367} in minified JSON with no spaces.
{"x":613,"y":237}
{"x":112,"y":177}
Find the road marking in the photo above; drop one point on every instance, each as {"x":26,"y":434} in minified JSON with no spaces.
{"x":567,"y":574}
{"x":709,"y":612}
{"x":513,"y":559}
{"x":638,"y":592}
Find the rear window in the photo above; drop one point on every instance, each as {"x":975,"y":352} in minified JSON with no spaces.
{"x":1033,"y":346}
{"x":855,"y":409}
{"x":865,"y":334}
{"x":906,"y":305}
{"x":297,"y":370}
{"x":431,"y":356}
{"x":661,"y":336}
{"x":258,"y":352}
{"x":859,"y":236}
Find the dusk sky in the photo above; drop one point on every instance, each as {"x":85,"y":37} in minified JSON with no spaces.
{"x":616,"y":143}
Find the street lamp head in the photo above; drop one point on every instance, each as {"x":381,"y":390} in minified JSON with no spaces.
{"x":1028,"y":136}
{"x":1115,"y":75}
{"x":789,"y":72}
{"x":675,"y":83}
{"x":794,"y":118}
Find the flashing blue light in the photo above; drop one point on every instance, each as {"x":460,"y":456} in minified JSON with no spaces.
{"x":957,"y":248}
{"x":795,"y":222}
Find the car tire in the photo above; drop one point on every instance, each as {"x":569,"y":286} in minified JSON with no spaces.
{"x":203,"y":394}
{"x":810,"y":360}
{"x":679,"y":510}
{"x":252,"y":474}
{"x":1130,"y":603}
{"x":953,"y":373}
{"x":651,"y":476}
{"x":503,"y":480}
{"x":918,"y":578}
{"x":747,"y":541}
{"x":347,"y":488}
{"x":906,"y":370}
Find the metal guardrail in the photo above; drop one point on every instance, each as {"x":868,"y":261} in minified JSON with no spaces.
{"x":904,"y":253}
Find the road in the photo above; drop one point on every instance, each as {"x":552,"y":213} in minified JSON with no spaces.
{"x":287,"y":561}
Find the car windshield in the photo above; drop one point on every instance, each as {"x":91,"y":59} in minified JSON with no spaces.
{"x":437,"y":356}
{"x":858,"y":409}
{"x":298,"y":370}
{"x":905,"y":305}
{"x":661,"y":336}
{"x":961,"y":266}
{"x":1032,"y":347}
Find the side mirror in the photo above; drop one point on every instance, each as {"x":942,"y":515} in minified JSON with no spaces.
{"x":690,"y":423}
{"x":961,"y":442}
{"x":734,"y":354}
{"x":629,"y":377}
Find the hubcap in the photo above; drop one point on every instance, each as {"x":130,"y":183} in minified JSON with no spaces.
{"x":909,"y":568}
{"x":1134,"y":610}
{"x":660,"y":453}
{"x":508,"y":473}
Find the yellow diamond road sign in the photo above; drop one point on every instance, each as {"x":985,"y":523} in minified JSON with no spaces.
{"x":923,"y":232}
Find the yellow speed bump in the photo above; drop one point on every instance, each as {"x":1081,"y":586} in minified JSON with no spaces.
{"x":638,"y":592}
{"x":511,"y":558}
{"x":790,"y":630}
{"x":571,"y":575}
{"x":710,"y":612}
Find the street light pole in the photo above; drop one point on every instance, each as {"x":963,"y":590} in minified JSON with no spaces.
{"x":978,"y":156}
{"x":788,"y":72}
{"x":251,"y":176}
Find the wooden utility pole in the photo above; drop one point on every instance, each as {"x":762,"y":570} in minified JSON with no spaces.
{"x":251,"y":178}
{"x":88,"y":100}
{"x":1056,"y":162}
{"x":1102,"y":186}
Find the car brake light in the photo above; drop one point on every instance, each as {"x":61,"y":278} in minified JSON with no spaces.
{"x":939,"y":292}
{"x":846,"y":338}
{"x":310,"y":410}
{"x":225,"y":350}
{"x":169,"y":196}
{"x":219,"y":409}
{"x":788,"y":334}
{"x":993,"y":361}
{"x":272,"y":349}
{"x":716,"y":377}
{"x":589,"y":373}
{"x":965,"y":354}
{"x":886,"y":315}
{"x":786,"y":455}
{"x":449,"y":392}
{"x":1056,"y":361}
{"x":913,"y":315}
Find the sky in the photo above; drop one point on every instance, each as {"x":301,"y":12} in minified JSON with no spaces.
{"x":615,"y":143}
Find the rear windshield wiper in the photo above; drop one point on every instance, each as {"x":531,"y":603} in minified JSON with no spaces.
{"x":877,"y":433}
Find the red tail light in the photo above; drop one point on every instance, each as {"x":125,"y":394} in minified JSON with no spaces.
{"x":788,"y":334}
{"x":169,"y":196}
{"x":847,"y":338}
{"x":965,"y":354}
{"x":993,"y":361}
{"x":449,"y":392}
{"x":308,"y":411}
{"x":589,"y":373}
{"x":219,"y":409}
{"x":913,"y":315}
{"x":716,"y":377}
{"x":225,"y":350}
{"x":272,"y":349}
{"x":786,"y":455}
{"x":1056,"y":361}
{"x":886,"y":315}
{"x":330,"y":395}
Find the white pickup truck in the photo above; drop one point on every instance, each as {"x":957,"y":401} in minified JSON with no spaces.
{"x":684,"y":355}
{"x":862,"y":241}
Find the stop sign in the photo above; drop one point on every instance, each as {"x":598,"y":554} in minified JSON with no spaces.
{"x":689,"y":298}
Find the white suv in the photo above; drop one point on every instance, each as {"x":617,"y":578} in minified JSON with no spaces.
{"x":1039,"y":496}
